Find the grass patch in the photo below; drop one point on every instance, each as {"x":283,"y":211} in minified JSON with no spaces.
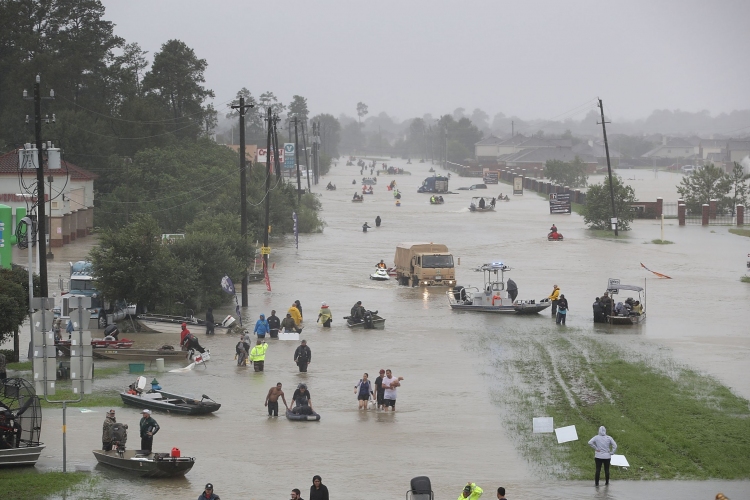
{"x":662,"y":242}
{"x":20,"y":366}
{"x":608,"y":234}
{"x":675,"y":425}
{"x":97,"y":398}
{"x":745,"y":279}
{"x":29,"y":483}
{"x":741,"y":232}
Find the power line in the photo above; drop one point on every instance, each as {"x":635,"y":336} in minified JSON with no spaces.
{"x":167,"y":120}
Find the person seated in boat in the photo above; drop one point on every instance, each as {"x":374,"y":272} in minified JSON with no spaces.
{"x":302,"y":401}
{"x":381,"y":265}
{"x":440,"y":199}
{"x":481,"y":203}
{"x":506,"y":198}
{"x":357,"y":312}
{"x":553,"y":229}
{"x":622,"y":309}
{"x":356,"y":196}
{"x":472,"y":206}
{"x":329,"y":186}
{"x":637,"y":308}
{"x":367,"y":319}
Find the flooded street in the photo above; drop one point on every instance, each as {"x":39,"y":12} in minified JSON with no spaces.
{"x":449,"y":423}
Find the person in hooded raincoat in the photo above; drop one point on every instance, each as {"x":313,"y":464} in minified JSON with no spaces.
{"x":261,"y":327}
{"x":318,"y":490}
{"x":325,"y":316}
{"x":296,"y":315}
{"x":604,"y":447}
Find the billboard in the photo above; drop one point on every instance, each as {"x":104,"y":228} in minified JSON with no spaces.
{"x":262,"y":156}
{"x":490,"y":177}
{"x":559,"y":203}
{"x":518,"y":185}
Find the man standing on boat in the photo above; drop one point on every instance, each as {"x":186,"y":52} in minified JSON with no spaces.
{"x":553,"y":298}
{"x":210,"y":321}
{"x":109,"y":422}
{"x":148,"y":427}
{"x":274,"y":323}
{"x":258,"y":355}
{"x":303,"y":356}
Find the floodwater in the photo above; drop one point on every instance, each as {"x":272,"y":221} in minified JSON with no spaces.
{"x":448,"y":426}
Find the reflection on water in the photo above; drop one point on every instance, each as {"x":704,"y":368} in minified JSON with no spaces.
{"x":446,"y":426}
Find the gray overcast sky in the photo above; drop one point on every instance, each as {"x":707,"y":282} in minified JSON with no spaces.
{"x":534,"y":59}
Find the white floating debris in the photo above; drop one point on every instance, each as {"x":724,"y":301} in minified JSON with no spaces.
{"x":565,"y":434}
{"x":542,"y":424}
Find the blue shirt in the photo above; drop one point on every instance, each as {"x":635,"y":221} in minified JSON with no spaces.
{"x":261,"y":327}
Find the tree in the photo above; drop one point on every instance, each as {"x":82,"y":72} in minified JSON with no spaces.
{"x":330,"y":134}
{"x":352,"y":139}
{"x":361,"y":110}
{"x":176,"y":79}
{"x":298,"y":108}
{"x":705,"y":184}
{"x":739,"y":186}
{"x":571,"y":174}
{"x":597,"y":211}
{"x":269,"y":100}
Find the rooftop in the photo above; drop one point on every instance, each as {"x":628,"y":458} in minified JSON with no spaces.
{"x":9,"y":166}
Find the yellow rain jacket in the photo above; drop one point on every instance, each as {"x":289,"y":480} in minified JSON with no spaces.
{"x":258,"y":353}
{"x":325,"y":314}
{"x":476,"y":492}
{"x":296,"y":316}
{"x":555,"y":294}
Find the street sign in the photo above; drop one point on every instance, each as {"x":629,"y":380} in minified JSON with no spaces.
{"x":265,"y":250}
{"x":289,"y":155}
{"x":262,"y":156}
{"x":559,"y":203}
{"x":518,"y":185}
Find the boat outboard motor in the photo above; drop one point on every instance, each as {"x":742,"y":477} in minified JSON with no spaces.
{"x":368,"y":320}
{"x":421,"y":489}
{"x":119,"y":437}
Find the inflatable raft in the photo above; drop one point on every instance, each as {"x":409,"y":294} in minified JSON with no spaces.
{"x":297,"y":416}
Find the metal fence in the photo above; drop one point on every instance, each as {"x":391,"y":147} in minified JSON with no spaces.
{"x":669,"y":209}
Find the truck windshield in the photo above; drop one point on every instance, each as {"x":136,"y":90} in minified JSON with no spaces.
{"x":436,"y":261}
{"x":82,"y":285}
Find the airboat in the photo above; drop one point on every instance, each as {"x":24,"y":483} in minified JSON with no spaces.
{"x":20,"y":423}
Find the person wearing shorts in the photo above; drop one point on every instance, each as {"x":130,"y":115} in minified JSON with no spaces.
{"x":379,"y":390}
{"x":389,"y":394}
{"x":364,"y":391}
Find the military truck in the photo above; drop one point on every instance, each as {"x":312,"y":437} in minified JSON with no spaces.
{"x":428,"y":264}
{"x":434,"y":184}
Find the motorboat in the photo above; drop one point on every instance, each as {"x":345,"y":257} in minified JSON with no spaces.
{"x":437,"y":200}
{"x":371,"y":322}
{"x":290,"y":415}
{"x":380,"y":274}
{"x":162,"y":323}
{"x":626,"y":316}
{"x":366,"y":190}
{"x":141,"y":354}
{"x":497,"y":295}
{"x":369,"y":181}
{"x":331,"y":187}
{"x":358,"y":199}
{"x":555,"y":237}
{"x":481,"y":204}
{"x":146,"y":464}
{"x":156,"y":399}
{"x":20,"y":423}
{"x":63,"y":346}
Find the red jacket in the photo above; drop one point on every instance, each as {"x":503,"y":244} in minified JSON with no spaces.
{"x":184,"y":333}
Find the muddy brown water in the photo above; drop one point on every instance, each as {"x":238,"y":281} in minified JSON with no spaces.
{"x":447,"y":426}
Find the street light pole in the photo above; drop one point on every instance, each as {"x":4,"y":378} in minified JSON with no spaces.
{"x":609,"y":170}
{"x":50,"y":256}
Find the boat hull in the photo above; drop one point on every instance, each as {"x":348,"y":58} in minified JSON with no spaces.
{"x":626,"y":320}
{"x":140,"y":354}
{"x":511,"y":309}
{"x":378,"y":323}
{"x":145,"y":466}
{"x":26,"y":456}
{"x":165,"y":325}
{"x":186,"y":408}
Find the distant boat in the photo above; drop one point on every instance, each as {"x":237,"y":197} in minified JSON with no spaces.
{"x":146,"y":464}
{"x":170,"y":403}
{"x":163,"y":323}
{"x":140,"y":354}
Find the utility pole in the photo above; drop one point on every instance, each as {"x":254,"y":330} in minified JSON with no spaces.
{"x":296,"y":159}
{"x":268,"y":189}
{"x":243,"y":197}
{"x":316,"y":151}
{"x":307,"y":156}
{"x":41,"y":215}
{"x":609,"y":170}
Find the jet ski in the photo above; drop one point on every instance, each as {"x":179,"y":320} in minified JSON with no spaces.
{"x":380,"y":275}
{"x":554,"y":236}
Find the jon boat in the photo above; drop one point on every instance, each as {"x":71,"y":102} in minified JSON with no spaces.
{"x":614,"y":287}
{"x":474,"y":206}
{"x":171,"y":403}
{"x":357,"y":200}
{"x":141,"y":354}
{"x":146,"y":464}
{"x":163,"y":323}
{"x":378,"y":322}
{"x":494,"y":297}
{"x":20,"y":424}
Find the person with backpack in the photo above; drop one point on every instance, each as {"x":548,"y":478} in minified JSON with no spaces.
{"x":364,"y":391}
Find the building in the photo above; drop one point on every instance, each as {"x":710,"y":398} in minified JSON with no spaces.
{"x":596,"y":149}
{"x":487,"y":149}
{"x":737,"y":150}
{"x":673,"y":147}
{"x":70,"y":210}
{"x":536,"y":159}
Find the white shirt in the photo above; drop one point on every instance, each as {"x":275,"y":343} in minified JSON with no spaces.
{"x":389,"y":393}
